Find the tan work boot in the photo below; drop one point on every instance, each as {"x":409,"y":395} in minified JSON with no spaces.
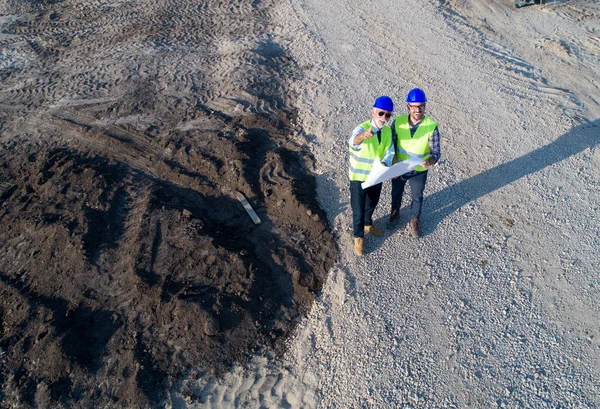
{"x":358,"y":246}
{"x":414,"y":227}
{"x":374,"y":231}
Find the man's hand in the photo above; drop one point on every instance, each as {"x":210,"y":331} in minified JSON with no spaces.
{"x":429,"y":162}
{"x":368,"y":134}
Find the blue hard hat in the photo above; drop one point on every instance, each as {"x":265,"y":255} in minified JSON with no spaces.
{"x":385,"y":103}
{"x":416,"y":95}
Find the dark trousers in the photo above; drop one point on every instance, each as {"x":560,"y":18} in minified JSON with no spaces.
{"x":363,"y":202}
{"x":417,"y":186}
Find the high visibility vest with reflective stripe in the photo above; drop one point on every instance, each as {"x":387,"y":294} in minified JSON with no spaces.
{"x":416,"y":147}
{"x":361,"y":161}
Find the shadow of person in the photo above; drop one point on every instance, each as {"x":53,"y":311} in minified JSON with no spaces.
{"x":441,"y":204}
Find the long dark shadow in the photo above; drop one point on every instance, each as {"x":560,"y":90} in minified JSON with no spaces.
{"x":442,"y":203}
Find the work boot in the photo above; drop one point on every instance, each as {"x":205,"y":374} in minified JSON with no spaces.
{"x":394,"y":215}
{"x":358,"y":246}
{"x":374,"y":231}
{"x":414,"y":227}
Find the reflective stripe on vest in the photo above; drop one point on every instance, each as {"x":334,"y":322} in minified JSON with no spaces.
{"x":361,"y":161}
{"x":416,"y":147}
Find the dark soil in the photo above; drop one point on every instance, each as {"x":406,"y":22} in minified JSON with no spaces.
{"x":126,"y":259}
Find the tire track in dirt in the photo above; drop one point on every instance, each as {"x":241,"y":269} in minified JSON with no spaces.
{"x":511,"y":68}
{"x":181,"y":21}
{"x":581,"y":46}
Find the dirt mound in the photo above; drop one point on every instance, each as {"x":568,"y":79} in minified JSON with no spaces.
{"x":125,"y":257}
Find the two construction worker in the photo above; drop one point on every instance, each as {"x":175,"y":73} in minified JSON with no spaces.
{"x":413,"y":137}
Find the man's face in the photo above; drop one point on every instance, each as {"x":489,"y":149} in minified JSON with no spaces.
{"x":380,"y":117}
{"x":416,"y":111}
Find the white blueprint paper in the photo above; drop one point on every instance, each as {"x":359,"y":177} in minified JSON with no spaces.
{"x":380,"y":173}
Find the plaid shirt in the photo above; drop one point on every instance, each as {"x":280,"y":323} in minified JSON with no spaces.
{"x":434,"y":143}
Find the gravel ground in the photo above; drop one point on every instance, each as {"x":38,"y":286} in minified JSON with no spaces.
{"x":497,"y":304}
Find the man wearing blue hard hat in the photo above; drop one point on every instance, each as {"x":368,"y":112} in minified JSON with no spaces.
{"x":370,"y":141}
{"x":416,"y":137}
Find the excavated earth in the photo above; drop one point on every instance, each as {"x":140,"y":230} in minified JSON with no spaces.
{"x":126,"y":258}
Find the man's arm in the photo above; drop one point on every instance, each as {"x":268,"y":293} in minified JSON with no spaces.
{"x":434,"y":148}
{"x":388,"y":158}
{"x":359,"y":135}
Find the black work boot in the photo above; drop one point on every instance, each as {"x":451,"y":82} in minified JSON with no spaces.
{"x":394,"y":214}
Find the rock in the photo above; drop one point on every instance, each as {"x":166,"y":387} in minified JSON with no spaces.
{"x":212,"y":327}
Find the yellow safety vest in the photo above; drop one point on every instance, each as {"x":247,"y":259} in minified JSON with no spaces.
{"x":361,"y":160}
{"x":416,"y":147}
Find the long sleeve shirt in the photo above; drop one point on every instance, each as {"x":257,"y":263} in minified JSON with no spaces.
{"x":390,"y":152}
